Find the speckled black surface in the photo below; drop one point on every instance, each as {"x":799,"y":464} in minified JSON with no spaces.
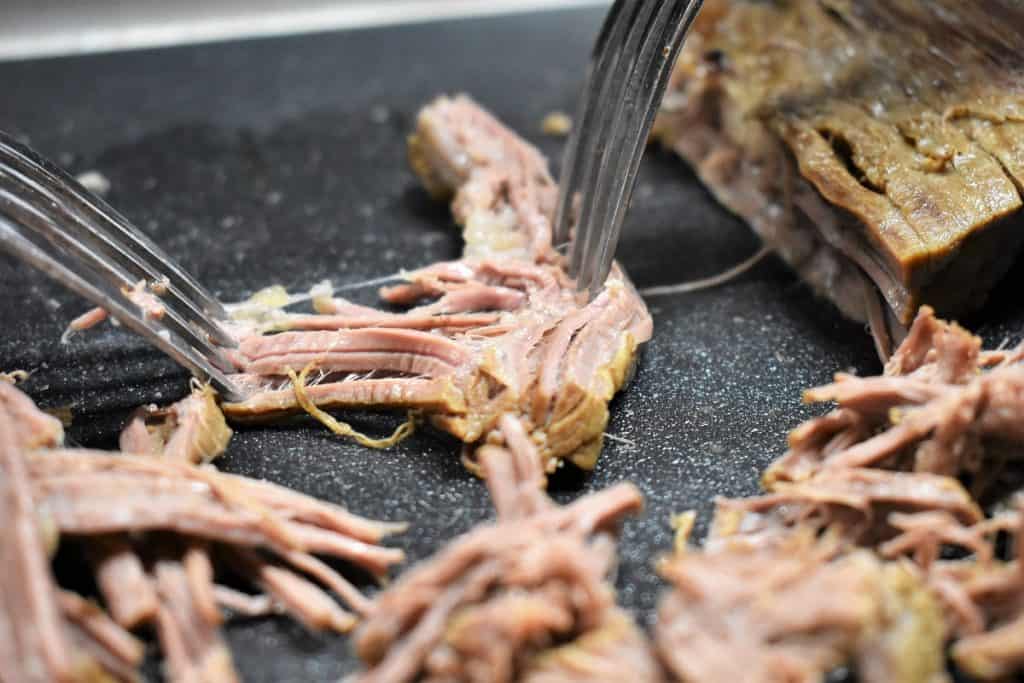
{"x":283,"y":161}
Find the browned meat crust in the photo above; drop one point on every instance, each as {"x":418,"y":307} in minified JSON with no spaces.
{"x":879,"y":140}
{"x":783,"y":574}
{"x":500,"y":331}
{"x":153,"y":527}
{"x":523,"y":599}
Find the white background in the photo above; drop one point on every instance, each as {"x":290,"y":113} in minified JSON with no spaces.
{"x":32,"y":28}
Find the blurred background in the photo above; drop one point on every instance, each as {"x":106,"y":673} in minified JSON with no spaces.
{"x":34,"y":28}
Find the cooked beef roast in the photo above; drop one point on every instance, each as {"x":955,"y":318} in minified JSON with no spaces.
{"x":525,"y":598}
{"x":154,"y":527}
{"x":878,"y":145}
{"x":500,"y":331}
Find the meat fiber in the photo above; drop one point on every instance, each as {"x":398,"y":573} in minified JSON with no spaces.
{"x":501,"y":331}
{"x":525,"y":598}
{"x":877,"y":145}
{"x":45,"y":635}
{"x":942,"y":407}
{"x":787,"y":607}
{"x":192,"y":430}
{"x":156,"y":528}
{"x":847,"y":559}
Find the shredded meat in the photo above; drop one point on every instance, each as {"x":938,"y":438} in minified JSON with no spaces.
{"x":776,"y":607}
{"x":500,"y":331}
{"x":155,"y":527}
{"x":45,"y":634}
{"x":864,"y":512}
{"x":523,"y":599}
{"x":937,"y":409}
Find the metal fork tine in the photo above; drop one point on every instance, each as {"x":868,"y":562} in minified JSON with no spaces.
{"x":580,"y":138}
{"x":57,"y":228}
{"x":95,"y":291}
{"x":111,"y":233}
{"x":633,"y":68}
{"x":658,"y":52}
{"x":619,"y":110}
{"x":609,"y":84}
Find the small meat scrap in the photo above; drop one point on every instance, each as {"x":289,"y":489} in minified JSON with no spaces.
{"x":192,"y":430}
{"x":789,"y":607}
{"x":156,"y":529}
{"x":500,"y":331}
{"x":942,"y":407}
{"x":144,"y":295}
{"x":525,"y":598}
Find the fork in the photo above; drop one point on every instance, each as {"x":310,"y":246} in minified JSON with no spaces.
{"x":626,"y":80}
{"x":50,"y":221}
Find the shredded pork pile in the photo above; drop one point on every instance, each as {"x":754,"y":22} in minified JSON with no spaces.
{"x":523,"y":599}
{"x":154,"y":528}
{"x":871,"y":548}
{"x":501,"y":331}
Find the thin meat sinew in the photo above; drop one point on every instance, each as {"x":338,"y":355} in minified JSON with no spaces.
{"x":501,"y":331}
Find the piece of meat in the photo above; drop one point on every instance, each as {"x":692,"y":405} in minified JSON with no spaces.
{"x":122,"y":580}
{"x":523,"y":599}
{"x":192,"y":430}
{"x":45,"y":635}
{"x":503,"y":194}
{"x":500,"y":331}
{"x":35,"y":429}
{"x":786,"y":607}
{"x":983,"y":594}
{"x":868,"y":508}
{"x":876,"y":141}
{"x":144,"y":295}
{"x":189,"y":635}
{"x":941,"y":407}
{"x":155,"y":528}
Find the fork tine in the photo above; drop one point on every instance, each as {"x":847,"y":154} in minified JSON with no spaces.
{"x":58,"y":228}
{"x":96,"y":291}
{"x":579,"y":137}
{"x":593,"y":141}
{"x":618,"y":109}
{"x":108,"y":231}
{"x":658,"y":49}
{"x":655,"y":34}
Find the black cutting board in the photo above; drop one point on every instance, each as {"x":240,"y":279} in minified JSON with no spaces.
{"x":283,"y":161}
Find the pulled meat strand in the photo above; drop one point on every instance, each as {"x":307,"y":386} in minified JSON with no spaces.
{"x":501,"y":330}
{"x":156,"y":528}
{"x":525,"y":598}
{"x":864,"y":510}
